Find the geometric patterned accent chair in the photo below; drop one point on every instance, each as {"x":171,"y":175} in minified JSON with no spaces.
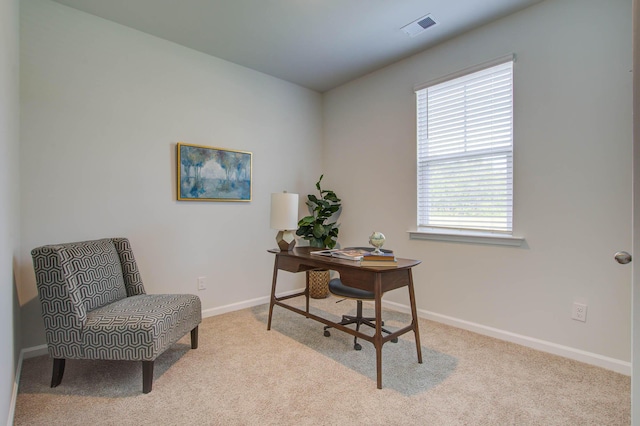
{"x":94,"y":307}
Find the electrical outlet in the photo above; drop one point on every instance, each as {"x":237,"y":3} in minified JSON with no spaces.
{"x":202,"y":283}
{"x":579,"y":312}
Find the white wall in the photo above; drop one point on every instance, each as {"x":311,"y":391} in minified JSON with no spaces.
{"x":103,"y":106}
{"x":9,"y":206}
{"x":102,"y":109}
{"x":572,"y":176}
{"x":635,"y":311}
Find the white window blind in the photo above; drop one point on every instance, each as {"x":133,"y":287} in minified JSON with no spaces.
{"x":465,"y":151}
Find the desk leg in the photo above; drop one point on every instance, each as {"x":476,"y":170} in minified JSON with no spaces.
{"x":273,"y":291}
{"x":377,"y":339}
{"x":414,"y":316}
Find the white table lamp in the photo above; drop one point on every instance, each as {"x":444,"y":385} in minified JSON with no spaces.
{"x":284,"y":218}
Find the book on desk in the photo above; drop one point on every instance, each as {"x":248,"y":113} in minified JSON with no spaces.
{"x":387,"y":259}
{"x":387,"y":256}
{"x":380,"y":263}
{"x":363,"y":257}
{"x":348,"y":254}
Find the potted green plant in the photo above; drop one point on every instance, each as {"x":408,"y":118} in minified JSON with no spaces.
{"x":314,"y":228}
{"x":320,"y":233}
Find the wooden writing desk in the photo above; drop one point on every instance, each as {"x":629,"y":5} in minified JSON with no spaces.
{"x":374,"y":279}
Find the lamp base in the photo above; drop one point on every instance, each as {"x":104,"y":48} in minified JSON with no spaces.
{"x":286,"y":240}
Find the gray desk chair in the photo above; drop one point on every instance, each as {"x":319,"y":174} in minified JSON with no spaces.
{"x":337,"y":288}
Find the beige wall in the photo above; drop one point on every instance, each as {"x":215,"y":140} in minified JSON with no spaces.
{"x":572,"y":141}
{"x":102,"y":109}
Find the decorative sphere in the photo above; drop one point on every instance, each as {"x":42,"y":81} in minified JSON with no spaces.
{"x":377,"y":240}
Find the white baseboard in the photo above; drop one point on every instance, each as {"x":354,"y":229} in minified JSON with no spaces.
{"x":245,"y":304}
{"x":212,"y":312}
{"x":622,"y":367}
{"x":24,"y":354}
{"x":33,"y":351}
{"x":14,"y":392}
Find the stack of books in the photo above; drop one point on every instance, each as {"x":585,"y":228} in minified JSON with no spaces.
{"x":384,"y":259}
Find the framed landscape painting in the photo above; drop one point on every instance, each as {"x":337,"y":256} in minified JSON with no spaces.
{"x":213,"y":174}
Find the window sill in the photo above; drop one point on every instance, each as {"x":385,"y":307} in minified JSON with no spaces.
{"x":451,"y":235}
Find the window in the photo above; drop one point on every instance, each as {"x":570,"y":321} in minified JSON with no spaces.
{"x":465,"y":150}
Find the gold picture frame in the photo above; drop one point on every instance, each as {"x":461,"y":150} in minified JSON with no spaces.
{"x":207,"y":173}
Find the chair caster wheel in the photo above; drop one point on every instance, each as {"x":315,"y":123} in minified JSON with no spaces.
{"x":357,"y":347}
{"x":394,"y":340}
{"x":326,"y":333}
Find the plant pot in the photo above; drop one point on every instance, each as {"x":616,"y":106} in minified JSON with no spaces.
{"x":318,"y":283}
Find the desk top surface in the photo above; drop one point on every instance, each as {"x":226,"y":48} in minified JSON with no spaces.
{"x":303,"y":254}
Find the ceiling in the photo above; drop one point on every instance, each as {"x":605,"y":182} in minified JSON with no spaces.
{"x":318,"y":44}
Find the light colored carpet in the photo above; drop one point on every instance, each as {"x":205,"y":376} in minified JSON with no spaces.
{"x":242,"y":374}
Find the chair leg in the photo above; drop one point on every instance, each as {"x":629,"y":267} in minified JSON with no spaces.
{"x":358,"y":320}
{"x":194,"y":338}
{"x":356,"y":345}
{"x":147,"y":376}
{"x":58,"y":371}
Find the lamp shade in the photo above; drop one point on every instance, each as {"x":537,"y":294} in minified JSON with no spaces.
{"x":284,"y":211}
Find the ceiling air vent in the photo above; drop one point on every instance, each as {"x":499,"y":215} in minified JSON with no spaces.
{"x":418,"y":26}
